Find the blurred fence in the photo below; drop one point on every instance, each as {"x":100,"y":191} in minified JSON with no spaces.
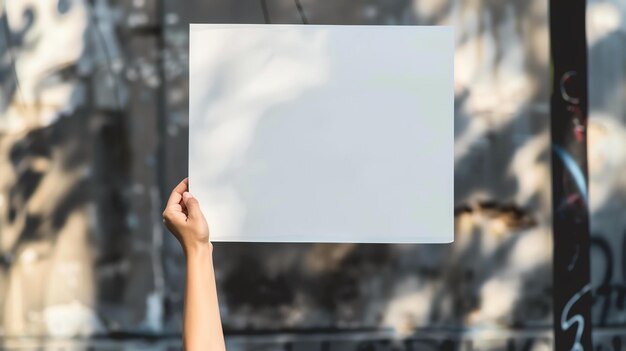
{"x":93,"y":134}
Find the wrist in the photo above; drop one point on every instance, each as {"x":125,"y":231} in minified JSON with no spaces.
{"x":200,"y":250}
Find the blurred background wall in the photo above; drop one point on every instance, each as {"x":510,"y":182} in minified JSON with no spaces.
{"x":93,"y":135}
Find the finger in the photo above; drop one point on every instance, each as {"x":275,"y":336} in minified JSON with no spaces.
{"x":193,"y":206}
{"x":174,"y":219}
{"x":177,"y":193}
{"x":182,"y":205}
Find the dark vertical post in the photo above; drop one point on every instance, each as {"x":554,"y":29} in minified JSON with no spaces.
{"x":572,"y":298}
{"x":162,"y":103}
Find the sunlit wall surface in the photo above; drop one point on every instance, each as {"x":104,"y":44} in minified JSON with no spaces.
{"x":93,"y":133}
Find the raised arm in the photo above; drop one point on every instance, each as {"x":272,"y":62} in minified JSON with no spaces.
{"x":202,"y":327}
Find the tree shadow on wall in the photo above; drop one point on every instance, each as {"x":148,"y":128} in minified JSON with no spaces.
{"x":75,"y":165}
{"x":356,"y":283}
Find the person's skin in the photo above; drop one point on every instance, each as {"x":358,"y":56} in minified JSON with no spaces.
{"x":202,"y":327}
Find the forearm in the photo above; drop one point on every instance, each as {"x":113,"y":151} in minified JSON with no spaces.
{"x":202,"y":324}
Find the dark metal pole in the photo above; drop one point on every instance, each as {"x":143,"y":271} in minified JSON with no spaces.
{"x":571,"y":269}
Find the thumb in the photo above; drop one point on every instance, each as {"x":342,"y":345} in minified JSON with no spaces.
{"x":193,"y":206}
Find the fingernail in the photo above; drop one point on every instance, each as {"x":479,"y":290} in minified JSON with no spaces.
{"x":187,"y":195}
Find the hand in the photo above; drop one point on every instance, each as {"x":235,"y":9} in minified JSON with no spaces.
{"x":184,"y":218}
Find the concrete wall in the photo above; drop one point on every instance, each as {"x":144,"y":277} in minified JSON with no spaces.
{"x":93,"y":134}
{"x":606,"y":33}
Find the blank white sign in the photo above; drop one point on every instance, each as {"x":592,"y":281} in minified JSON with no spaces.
{"x":306,"y":133}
